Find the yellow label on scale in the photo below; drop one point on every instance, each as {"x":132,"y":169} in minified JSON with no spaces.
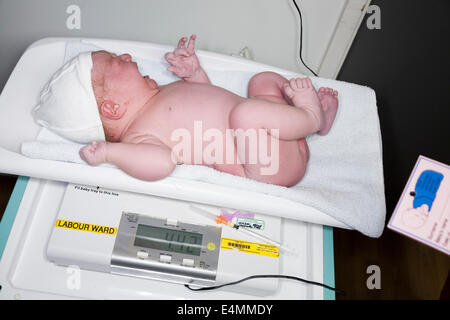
{"x":250,"y":247}
{"x":88,"y":227}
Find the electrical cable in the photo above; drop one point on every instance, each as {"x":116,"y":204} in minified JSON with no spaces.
{"x":301,"y":37}
{"x":338,"y":291}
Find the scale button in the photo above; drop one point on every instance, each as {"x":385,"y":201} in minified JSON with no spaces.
{"x":142,"y":254}
{"x":165,"y":258}
{"x":211,"y":246}
{"x":188,"y":262}
{"x":172,"y":222}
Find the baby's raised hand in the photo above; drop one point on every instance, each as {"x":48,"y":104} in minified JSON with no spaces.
{"x":94,"y":154}
{"x":183,"y":60}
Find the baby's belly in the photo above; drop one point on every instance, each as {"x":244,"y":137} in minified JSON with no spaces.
{"x":213,"y":149}
{"x":193,"y":120}
{"x":197,"y":122}
{"x":208,"y":142}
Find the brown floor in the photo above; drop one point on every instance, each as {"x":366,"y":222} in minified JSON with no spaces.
{"x":7,"y":183}
{"x":409,"y":270}
{"x":390,"y":60}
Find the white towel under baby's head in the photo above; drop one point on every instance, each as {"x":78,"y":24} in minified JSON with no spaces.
{"x":68,"y":106}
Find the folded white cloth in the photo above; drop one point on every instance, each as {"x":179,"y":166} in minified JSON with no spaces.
{"x":344,"y":178}
{"x":67,"y":104}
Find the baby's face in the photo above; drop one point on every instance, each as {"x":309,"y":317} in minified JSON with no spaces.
{"x":115,"y":76}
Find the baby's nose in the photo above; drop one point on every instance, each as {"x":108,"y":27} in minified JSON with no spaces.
{"x":126,"y":57}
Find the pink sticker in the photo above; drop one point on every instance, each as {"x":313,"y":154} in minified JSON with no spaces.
{"x":236,"y":214}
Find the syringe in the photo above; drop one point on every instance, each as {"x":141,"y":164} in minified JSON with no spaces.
{"x":221,"y":220}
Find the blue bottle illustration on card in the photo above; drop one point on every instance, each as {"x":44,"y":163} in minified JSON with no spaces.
{"x":424,"y":194}
{"x":426,"y":188}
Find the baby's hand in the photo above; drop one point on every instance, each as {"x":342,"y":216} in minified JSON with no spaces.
{"x":94,"y":154}
{"x":183,"y":60}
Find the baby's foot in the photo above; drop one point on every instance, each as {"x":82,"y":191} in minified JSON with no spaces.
{"x":302,"y":93}
{"x":94,"y":154}
{"x":329,"y":101}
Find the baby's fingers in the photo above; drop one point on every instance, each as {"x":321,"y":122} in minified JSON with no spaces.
{"x":172,"y":69}
{"x":181,"y":52}
{"x":182,"y":42}
{"x":191,"y":44}
{"x":170,"y":57}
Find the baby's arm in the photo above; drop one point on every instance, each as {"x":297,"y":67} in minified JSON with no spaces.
{"x":145,"y":161}
{"x":184,"y":62}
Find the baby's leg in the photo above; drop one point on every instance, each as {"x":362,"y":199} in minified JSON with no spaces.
{"x":292,"y":155}
{"x":296,"y":110}
{"x":281,"y":120}
{"x":283,"y":164}
{"x":269,"y":108}
{"x":268,"y":86}
{"x":275,"y":88}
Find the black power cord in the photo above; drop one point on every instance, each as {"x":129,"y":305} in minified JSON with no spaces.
{"x":338,"y":291}
{"x":301,"y":37}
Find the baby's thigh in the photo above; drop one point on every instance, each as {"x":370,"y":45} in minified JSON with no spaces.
{"x":278,"y":162}
{"x":266,"y":84}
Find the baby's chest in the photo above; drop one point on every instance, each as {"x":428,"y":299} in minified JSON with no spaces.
{"x":169,"y":121}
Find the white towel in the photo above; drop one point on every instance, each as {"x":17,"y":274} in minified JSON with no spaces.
{"x":344,"y":178}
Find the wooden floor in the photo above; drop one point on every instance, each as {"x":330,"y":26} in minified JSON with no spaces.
{"x":408,"y":269}
{"x":7,"y":183}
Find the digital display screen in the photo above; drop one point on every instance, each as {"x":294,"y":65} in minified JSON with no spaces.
{"x":168,"y":240}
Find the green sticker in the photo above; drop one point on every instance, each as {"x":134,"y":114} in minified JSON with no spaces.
{"x":251,"y":223}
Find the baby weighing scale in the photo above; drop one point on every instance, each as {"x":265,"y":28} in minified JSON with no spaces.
{"x":91,"y":240}
{"x":152,"y":238}
{"x":71,"y":241}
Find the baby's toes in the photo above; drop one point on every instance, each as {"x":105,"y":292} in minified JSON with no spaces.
{"x":288,"y":89}
{"x":307,"y":83}
{"x":294,"y":85}
{"x":327,"y":91}
{"x":300,"y":83}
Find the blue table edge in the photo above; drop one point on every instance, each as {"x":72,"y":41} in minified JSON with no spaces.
{"x":16,"y":197}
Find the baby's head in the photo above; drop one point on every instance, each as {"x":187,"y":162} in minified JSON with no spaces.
{"x":119,"y":88}
{"x":90,"y":97}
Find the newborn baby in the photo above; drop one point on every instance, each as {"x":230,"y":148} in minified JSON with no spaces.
{"x":149,"y":129}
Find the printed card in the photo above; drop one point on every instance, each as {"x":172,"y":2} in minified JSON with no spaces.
{"x":423,"y":212}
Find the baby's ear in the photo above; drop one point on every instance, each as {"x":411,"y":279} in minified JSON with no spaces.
{"x":112,"y":110}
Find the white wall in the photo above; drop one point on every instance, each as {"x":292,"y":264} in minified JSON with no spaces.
{"x":270,"y":28}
